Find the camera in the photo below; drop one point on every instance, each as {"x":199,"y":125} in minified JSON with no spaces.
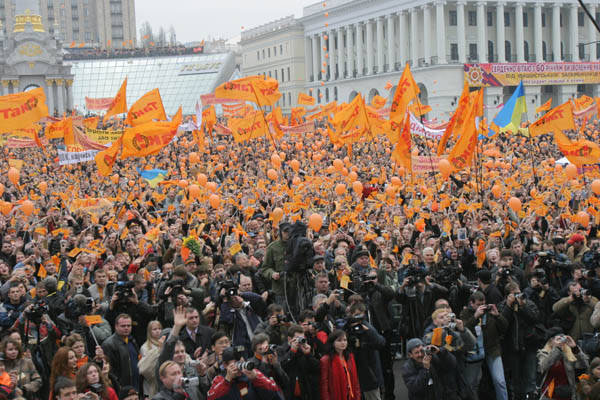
{"x":79,"y":305}
{"x":589,"y":274}
{"x":39,"y":308}
{"x":186,"y":382}
{"x":231,"y":288}
{"x":176,"y":286}
{"x":302,"y":340}
{"x":248,"y":365}
{"x":282,"y":318}
{"x":452,"y":324}
{"x":561,"y":339}
{"x":124,"y":290}
{"x":585,"y":292}
{"x":519,"y":296}
{"x":428,"y":350}
{"x":194,"y":363}
{"x":505,"y":272}
{"x":272,"y":349}
{"x":96,"y":388}
{"x":339,"y":292}
{"x":415,"y":275}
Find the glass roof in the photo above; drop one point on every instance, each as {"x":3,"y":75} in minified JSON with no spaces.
{"x":180,"y":79}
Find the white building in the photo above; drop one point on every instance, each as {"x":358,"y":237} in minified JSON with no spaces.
{"x":363,"y":44}
{"x":276,"y":50}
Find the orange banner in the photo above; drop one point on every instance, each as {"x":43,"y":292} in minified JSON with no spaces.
{"x":251,"y":127}
{"x":402,"y":154}
{"x":406,"y":91}
{"x":351,"y":116}
{"x":147,"y":108}
{"x":209,"y":119}
{"x":21,"y":110}
{"x":260,"y":90}
{"x":105,"y":159}
{"x":580,"y":152}
{"x":149,"y":138}
{"x":119,"y":103}
{"x":556,"y":120}
{"x":305,"y":100}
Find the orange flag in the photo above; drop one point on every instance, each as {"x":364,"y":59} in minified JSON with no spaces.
{"x":119,"y":103}
{"x":29,"y":133}
{"x":264,"y":92}
{"x":556,"y":120}
{"x":147,"y":108}
{"x":250,"y":127}
{"x":57,"y":130}
{"x":21,"y":110}
{"x":544,"y":107}
{"x":275,"y":120}
{"x":418,"y":109}
{"x":377,"y":102}
{"x":305,"y":100}
{"x":402,"y":152}
{"x":351,"y":116}
{"x":462,"y":152}
{"x":105,"y":159}
{"x":209,"y":119}
{"x":550,"y":389}
{"x":406,"y":91}
{"x":149,"y":138}
{"x":462,"y":108}
{"x":583,"y":102}
{"x":91,"y":123}
{"x":297,"y":114}
{"x":579,"y":152}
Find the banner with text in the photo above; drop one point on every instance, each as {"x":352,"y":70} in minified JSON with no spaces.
{"x":66,"y":157}
{"x":100,"y":104}
{"x":103,"y":136}
{"x":546,"y":73}
{"x":423,"y":164}
{"x":417,"y":128}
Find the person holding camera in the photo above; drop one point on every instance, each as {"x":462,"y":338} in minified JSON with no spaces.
{"x":275,"y":324}
{"x":542,"y":294}
{"x":506,"y":272}
{"x":521,"y":340}
{"x":122,"y":352}
{"x":24,"y":377}
{"x":11,"y":309}
{"x":170,"y":375}
{"x":242,"y":380}
{"x":558,"y":361}
{"x":577,"y":308}
{"x":89,"y":379}
{"x":300,"y":365}
{"x":266,"y":360}
{"x":339,"y":377}
{"x":489,"y":326}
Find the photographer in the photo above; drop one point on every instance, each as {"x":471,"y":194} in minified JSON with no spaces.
{"x":488,"y":326}
{"x":74,"y":320}
{"x":521,"y":340}
{"x":170,"y":376}
{"x":89,"y":379}
{"x":542,"y":294}
{"x":506,"y":272}
{"x":34,"y":322}
{"x":242,"y":380}
{"x":275,"y":325}
{"x":300,"y":365}
{"x":422,"y":371}
{"x":577,"y":307}
{"x":266,"y":360}
{"x":11,"y":309}
{"x":172,"y":294}
{"x":365,"y":343}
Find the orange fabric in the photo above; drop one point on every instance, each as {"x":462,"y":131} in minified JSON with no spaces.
{"x":378,"y":102}
{"x":556,"y":120}
{"x":149,"y":138}
{"x":406,"y":91}
{"x":579,"y":152}
{"x":119,"y":103}
{"x":22,"y":110}
{"x":402,"y":150}
{"x":60,"y":129}
{"x":462,"y":152}
{"x":306,"y":100}
{"x":351,"y":116}
{"x":251,"y":127}
{"x":147,"y":108}
{"x":105,"y":159}
{"x":544,"y":107}
{"x":209,"y":119}
{"x":264,"y":92}
{"x":348,"y":378}
{"x":462,"y":108}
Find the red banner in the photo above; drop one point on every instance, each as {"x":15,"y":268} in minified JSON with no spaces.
{"x":101,"y":104}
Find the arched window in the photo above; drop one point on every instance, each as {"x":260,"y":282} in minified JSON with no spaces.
{"x":335,"y":93}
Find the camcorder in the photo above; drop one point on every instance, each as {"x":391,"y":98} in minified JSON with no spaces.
{"x":40,"y":307}
{"x":176,"y":286}
{"x":415,"y":275}
{"x":231,"y":288}
{"x":124,"y":290}
{"x":78,"y":306}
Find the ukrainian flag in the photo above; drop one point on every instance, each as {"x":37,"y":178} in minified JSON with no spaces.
{"x":153,"y":176}
{"x":509,"y":118}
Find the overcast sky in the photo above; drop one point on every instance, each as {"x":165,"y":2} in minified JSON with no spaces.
{"x":200,"y":19}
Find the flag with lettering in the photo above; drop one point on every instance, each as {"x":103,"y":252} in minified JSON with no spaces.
{"x":580,"y":152}
{"x":21,"y":110}
{"x":406,"y":91}
{"x":105,"y":159}
{"x":258,"y":89}
{"x":149,"y":138}
{"x":147,"y":108}
{"x":305,"y":100}
{"x":556,"y":120}
{"x":252,"y":126}
{"x":119,"y":103}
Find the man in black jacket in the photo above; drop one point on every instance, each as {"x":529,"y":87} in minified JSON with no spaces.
{"x":491,"y":292}
{"x":300,"y":365}
{"x":122,"y":353}
{"x":195,"y":337}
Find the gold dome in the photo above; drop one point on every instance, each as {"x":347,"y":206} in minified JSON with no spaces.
{"x":22,"y":20}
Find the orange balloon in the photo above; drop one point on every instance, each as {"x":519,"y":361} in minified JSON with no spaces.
{"x":276,"y":215}
{"x":1,"y":189}
{"x":295,"y":164}
{"x":114,"y":179}
{"x":276,"y":160}
{"x":595,"y":186}
{"x":220,"y":147}
{"x":571,"y":171}
{"x":496,"y":191}
{"x":194,"y":191}
{"x":27,"y":207}
{"x":282,"y":155}
{"x":315,"y":221}
{"x":340,"y":189}
{"x":202,"y":179}
{"x":344,"y":171}
{"x":212,"y":186}
{"x":514,"y":204}
{"x":6,"y":207}
{"x":357,"y":187}
{"x":13,"y":175}
{"x":445,"y":167}
{"x":193,"y":158}
{"x":182,"y":183}
{"x":352,"y":176}
{"x":583,"y":218}
{"x":272,"y":174}
{"x":330,"y":170}
{"x":43,"y":186}
{"x":396,"y":181}
{"x":338,"y":164}
{"x":296,"y":181}
{"x":558,"y":168}
{"x":214,"y":201}
{"x":390,"y":191}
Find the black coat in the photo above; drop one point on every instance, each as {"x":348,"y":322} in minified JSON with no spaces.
{"x":377,"y":301}
{"x":203,"y":335}
{"x":117,"y":352}
{"x":303,"y":368}
{"x":366,"y":354}
{"x":520,"y":334}
{"x":418,"y":308}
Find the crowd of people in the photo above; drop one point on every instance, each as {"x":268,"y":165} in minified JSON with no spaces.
{"x":102,"y":54}
{"x":290,"y":286}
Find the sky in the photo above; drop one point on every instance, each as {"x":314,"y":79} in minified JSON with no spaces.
{"x":195,"y":20}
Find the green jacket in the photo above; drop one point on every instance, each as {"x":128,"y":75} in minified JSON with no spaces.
{"x":274,"y":262}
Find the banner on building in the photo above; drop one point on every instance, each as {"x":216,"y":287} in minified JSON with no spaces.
{"x":546,"y":73}
{"x":103,"y":136}
{"x":67,"y":157}
{"x":100,"y":104}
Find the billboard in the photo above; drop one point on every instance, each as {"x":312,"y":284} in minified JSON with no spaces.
{"x":546,"y":73}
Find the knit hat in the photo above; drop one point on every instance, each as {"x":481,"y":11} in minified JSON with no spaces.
{"x":412,"y":344}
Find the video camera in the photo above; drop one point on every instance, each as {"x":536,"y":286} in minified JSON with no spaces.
{"x":35,"y":313}
{"x":231,"y":288}
{"x":124,"y":290}
{"x":176,"y":286}
{"x":367,"y":280}
{"x":550,"y":261}
{"x":79,"y":305}
{"x":415,"y":275}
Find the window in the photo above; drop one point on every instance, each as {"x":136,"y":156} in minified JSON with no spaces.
{"x":283,"y":97}
{"x":283,"y":76}
{"x":88,"y":36}
{"x":490,"y":18}
{"x":581,"y":51}
{"x":543,"y":20}
{"x":597,"y":49}
{"x":454,"y":51}
{"x":560,"y":18}
{"x":276,"y":75}
{"x":490,"y":51}
{"x":258,"y":55}
{"x":473,"y":51}
{"x":327,"y":95}
{"x":288,"y":71}
{"x":263,"y":54}
{"x":526,"y":51}
{"x":269,"y":52}
{"x":290,"y":99}
{"x":335,"y":93}
{"x":472,"y":18}
{"x":115,"y":8}
{"x":525,"y":20}
{"x":506,"y":18}
{"x":270,"y":74}
{"x":544,"y":51}
{"x":580,"y":19}
{"x":562,"y":51}
{"x":452,"y":16}
{"x":507,"y":51}
{"x":280,"y":49}
{"x":274,"y":51}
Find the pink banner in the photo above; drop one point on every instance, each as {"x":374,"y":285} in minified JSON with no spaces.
{"x":101,"y":104}
{"x":208,"y":99}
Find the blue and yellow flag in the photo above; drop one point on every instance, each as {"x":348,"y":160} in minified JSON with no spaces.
{"x":153,"y":176}
{"x":509,"y":118}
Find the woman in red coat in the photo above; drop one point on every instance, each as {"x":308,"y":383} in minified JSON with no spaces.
{"x":339,"y":378}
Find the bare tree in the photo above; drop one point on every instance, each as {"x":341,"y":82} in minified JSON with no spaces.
{"x":146,"y":34}
{"x":172,"y":36}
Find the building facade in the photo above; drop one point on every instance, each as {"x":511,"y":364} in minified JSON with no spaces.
{"x":95,"y":23}
{"x":277,"y":50}
{"x":30,"y":58}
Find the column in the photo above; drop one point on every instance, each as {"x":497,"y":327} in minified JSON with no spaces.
{"x":500,"y":32}
{"x":369,"y":27}
{"x":350,"y":49}
{"x":315,"y":57}
{"x":519,"y":40}
{"x":69,"y":84}
{"x":440,"y":30}
{"x":341,"y":66}
{"x":331,"y":53}
{"x":15,"y":86}
{"x":574,"y":32}
{"x":380,"y":56}
{"x":391,"y":44}
{"x":60,"y":107}
{"x":414,"y":55}
{"x":482,"y":47}
{"x":323,"y":62}
{"x":427,"y":33}
{"x":556,"y":32}
{"x":460,"y":30}
{"x":50,"y":96}
{"x":308,"y":65}
{"x":403,"y":38}
{"x":537,"y":32}
{"x":591,"y":34}
{"x":359,"y":49}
